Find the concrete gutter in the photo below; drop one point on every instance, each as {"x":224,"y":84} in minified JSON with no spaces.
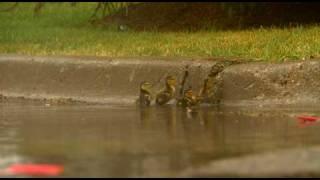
{"x":116,"y":80}
{"x":298,"y":162}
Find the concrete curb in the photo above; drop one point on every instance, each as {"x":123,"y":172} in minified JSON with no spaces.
{"x":116,"y":81}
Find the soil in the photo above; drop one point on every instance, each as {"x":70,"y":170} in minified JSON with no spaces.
{"x":181,"y":16}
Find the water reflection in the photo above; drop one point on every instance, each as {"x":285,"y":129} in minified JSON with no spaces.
{"x":8,"y":140}
{"x":98,"y":141}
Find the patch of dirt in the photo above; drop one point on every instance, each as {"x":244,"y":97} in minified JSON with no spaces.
{"x":181,"y":16}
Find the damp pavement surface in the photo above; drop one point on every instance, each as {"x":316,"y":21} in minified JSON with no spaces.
{"x":116,"y":80}
{"x":127,"y":141}
{"x":80,"y":112}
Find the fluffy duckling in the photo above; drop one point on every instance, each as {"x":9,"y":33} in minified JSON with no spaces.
{"x":145,"y":97}
{"x":216,"y":69}
{"x":189,"y":100}
{"x":184,"y":79}
{"x":203,"y":91}
{"x":168,"y":93}
{"x":210,"y":84}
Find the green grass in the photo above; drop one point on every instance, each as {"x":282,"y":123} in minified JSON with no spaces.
{"x":64,"y":30}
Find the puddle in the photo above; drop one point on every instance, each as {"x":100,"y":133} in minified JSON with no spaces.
{"x":125,"y":141}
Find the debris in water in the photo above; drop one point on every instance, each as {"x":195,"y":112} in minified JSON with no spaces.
{"x":33,"y":170}
{"x":308,"y":118}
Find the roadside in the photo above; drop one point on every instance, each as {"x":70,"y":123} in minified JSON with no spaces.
{"x":117,"y":80}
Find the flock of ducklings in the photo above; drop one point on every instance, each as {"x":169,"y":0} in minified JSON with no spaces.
{"x":187,"y":98}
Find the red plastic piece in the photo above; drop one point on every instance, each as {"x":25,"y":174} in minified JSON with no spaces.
{"x":308,"y":118}
{"x":35,"y":169}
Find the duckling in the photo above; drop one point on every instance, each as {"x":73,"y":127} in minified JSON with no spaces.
{"x":145,"y":97}
{"x":168,"y":93}
{"x":184,"y":79}
{"x":204,"y":90}
{"x":216,"y":69}
{"x":189,"y":100}
{"x":209,"y":90}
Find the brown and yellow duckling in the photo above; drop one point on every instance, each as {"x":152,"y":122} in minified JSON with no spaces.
{"x":168,"y":93}
{"x":189,"y":100}
{"x":145,"y":96}
{"x":208,"y":91}
{"x":204,"y":90}
{"x":216,"y":69}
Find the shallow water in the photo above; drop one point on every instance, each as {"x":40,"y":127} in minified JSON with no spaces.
{"x":126,"y":141}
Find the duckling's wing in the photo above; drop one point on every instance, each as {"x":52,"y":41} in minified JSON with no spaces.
{"x":163,"y":98}
{"x":145,"y":99}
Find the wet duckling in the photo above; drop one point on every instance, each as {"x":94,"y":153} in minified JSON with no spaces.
{"x":182,"y":86}
{"x":204,"y":90}
{"x":145,"y":97}
{"x":189,"y":100}
{"x":168,"y":93}
{"x":184,"y":79}
{"x":209,"y":90}
{"x":216,"y":69}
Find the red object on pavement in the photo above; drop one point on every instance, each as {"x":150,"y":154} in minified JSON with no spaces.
{"x":35,"y":169}
{"x":308,"y":118}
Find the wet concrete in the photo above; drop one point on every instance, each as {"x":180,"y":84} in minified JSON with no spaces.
{"x":116,"y":81}
{"x":286,"y":83}
{"x":114,"y":138}
{"x":126,"y":141}
{"x":89,"y":79}
{"x":296,"y":162}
